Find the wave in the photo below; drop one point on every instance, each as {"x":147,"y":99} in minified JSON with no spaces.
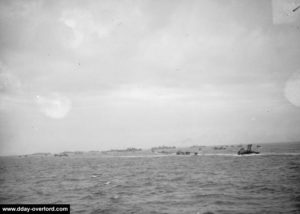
{"x":280,"y":153}
{"x":137,"y":156}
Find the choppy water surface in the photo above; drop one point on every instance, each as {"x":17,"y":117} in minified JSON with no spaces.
{"x":170,"y":184}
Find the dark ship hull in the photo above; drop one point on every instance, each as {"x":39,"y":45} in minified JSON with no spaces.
{"x":247,"y":152}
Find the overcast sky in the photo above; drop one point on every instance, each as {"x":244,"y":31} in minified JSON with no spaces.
{"x":97,"y":75}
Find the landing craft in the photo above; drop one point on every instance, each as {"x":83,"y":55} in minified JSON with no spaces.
{"x":248,"y":151}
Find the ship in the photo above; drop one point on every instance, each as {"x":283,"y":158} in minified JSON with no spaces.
{"x":247,"y":151}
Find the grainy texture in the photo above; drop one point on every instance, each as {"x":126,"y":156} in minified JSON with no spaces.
{"x":224,"y":183}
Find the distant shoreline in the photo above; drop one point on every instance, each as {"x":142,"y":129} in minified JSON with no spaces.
{"x":155,"y":151}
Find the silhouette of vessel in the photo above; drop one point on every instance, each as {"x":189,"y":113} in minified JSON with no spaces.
{"x":247,"y":151}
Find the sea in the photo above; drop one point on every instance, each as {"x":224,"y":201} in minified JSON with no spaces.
{"x":206,"y":183}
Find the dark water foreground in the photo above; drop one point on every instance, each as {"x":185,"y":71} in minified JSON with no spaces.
{"x":171,"y":184}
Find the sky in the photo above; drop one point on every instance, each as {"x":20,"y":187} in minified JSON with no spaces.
{"x":111,"y":74}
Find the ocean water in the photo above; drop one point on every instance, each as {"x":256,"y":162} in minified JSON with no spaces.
{"x":212,"y":183}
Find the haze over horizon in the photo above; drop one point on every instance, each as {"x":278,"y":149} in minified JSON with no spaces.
{"x":99,"y":75}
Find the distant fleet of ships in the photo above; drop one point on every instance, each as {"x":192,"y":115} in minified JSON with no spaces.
{"x":158,"y":150}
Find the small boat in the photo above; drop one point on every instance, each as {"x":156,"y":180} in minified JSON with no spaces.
{"x":247,"y":151}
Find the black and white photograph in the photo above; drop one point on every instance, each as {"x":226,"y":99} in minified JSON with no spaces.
{"x":150,"y":106}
